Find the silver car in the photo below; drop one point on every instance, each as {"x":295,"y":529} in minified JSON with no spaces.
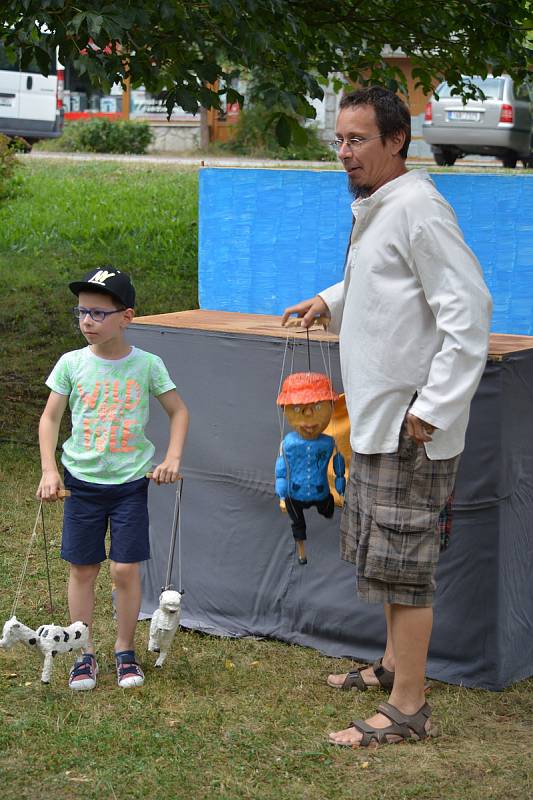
{"x":499,"y":125}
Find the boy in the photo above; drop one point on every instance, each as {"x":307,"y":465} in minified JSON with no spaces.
{"x":106,"y":458}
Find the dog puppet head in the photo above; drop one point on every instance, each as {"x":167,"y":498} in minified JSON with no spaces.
{"x":170,"y":601}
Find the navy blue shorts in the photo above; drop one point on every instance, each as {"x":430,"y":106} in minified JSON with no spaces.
{"x":91,"y":508}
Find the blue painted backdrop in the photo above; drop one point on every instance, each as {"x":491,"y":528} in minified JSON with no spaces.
{"x":269,"y":238}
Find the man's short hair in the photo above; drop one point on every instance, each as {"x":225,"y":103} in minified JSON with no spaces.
{"x":392,"y":115}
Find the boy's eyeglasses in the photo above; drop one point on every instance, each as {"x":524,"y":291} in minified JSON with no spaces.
{"x":354,"y":143}
{"x":95,"y":313}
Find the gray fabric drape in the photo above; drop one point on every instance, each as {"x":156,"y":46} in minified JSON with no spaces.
{"x":240,"y":573}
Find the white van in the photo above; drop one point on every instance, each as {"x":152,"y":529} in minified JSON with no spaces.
{"x":31,"y":105}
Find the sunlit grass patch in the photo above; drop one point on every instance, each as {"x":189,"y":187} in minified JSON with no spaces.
{"x":65,"y":220}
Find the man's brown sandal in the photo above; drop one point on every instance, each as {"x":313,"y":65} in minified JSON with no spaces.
{"x":354,"y":679}
{"x":405,"y":726}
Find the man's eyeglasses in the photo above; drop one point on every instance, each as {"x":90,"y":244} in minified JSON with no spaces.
{"x":354,"y":143}
{"x":95,"y":313}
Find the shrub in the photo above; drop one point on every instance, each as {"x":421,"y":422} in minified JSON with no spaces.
{"x":255,"y":136}
{"x":8,"y":165}
{"x":100,"y":135}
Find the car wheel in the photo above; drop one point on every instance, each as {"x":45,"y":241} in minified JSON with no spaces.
{"x":509,"y":160}
{"x":444,"y":158}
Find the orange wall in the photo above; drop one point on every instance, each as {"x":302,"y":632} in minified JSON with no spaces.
{"x":417,"y":99}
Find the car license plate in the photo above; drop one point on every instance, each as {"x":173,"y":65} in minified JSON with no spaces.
{"x":6,"y":101}
{"x":464,"y":116}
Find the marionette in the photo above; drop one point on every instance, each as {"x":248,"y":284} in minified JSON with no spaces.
{"x":48,"y":640}
{"x":165,"y":622}
{"x":307,"y":400}
{"x":166,"y":618}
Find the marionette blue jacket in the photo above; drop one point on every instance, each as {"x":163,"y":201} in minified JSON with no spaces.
{"x":302,"y":468}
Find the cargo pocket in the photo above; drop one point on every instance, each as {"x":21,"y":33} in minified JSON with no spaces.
{"x":403,"y":545}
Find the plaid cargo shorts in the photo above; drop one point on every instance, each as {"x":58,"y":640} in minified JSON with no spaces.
{"x":389,"y":524}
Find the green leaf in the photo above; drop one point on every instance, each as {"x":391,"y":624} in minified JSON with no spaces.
{"x":208,"y":71}
{"x":43,"y":61}
{"x":94,"y":23}
{"x":298,"y":133}
{"x":233,"y":96}
{"x":208,"y":98}
{"x":77,"y":21}
{"x":186,"y":99}
{"x":283,"y":130}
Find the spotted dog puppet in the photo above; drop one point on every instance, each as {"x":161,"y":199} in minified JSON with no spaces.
{"x":164,"y":624}
{"x":49,"y":640}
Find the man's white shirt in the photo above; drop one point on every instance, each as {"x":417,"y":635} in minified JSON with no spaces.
{"x":413,"y":313}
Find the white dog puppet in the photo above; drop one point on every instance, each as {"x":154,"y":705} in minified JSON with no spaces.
{"x":48,"y":639}
{"x":164,"y":624}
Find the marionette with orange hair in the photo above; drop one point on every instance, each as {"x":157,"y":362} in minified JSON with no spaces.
{"x":307,"y":399}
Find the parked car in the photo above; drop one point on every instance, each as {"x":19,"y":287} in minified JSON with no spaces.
{"x":500,"y":125}
{"x":31,"y":105}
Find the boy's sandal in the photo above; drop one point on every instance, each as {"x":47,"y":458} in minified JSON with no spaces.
{"x":129,"y":673}
{"x":404,"y":726}
{"x":354,"y":679}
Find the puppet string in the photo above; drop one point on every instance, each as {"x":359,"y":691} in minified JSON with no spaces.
{"x":327,"y":369}
{"x":281,"y":415}
{"x":176,"y":527}
{"x":179,"y":543}
{"x":180,"y":587}
{"x":26,"y":560}
{"x":278,"y":408}
{"x":46,"y":561}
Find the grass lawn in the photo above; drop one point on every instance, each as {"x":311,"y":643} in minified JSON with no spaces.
{"x":224,"y":718}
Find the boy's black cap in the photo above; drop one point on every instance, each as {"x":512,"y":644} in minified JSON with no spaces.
{"x":108,"y":280}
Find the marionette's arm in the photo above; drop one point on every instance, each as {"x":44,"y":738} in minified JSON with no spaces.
{"x":282,"y":486}
{"x":338,"y":468}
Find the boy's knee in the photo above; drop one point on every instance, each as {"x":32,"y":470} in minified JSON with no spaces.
{"x":84,"y":572}
{"x":123,"y":573}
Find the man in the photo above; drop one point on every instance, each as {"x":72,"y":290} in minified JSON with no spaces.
{"x":413,"y":314}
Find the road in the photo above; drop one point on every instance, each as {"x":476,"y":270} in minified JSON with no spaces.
{"x":466,"y":165}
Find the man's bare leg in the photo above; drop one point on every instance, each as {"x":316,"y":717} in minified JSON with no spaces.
{"x":410,"y":633}
{"x":388,"y":661}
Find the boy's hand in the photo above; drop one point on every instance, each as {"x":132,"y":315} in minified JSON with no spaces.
{"x":49,"y":486}
{"x":167,"y":472}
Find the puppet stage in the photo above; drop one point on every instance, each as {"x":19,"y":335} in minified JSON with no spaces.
{"x":240,"y":573}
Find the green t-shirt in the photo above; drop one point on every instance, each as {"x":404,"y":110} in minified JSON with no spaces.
{"x":109,"y":404}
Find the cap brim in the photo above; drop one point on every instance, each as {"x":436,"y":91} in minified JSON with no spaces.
{"x":78,"y":286}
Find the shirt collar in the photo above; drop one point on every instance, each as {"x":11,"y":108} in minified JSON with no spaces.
{"x":368,"y":203}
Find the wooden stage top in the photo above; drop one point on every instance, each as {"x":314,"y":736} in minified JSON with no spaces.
{"x":501,"y":344}
{"x":231,"y":322}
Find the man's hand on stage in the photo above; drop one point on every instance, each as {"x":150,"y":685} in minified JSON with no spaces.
{"x":308,"y":311}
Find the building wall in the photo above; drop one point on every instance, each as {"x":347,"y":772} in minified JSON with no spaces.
{"x":171,"y":137}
